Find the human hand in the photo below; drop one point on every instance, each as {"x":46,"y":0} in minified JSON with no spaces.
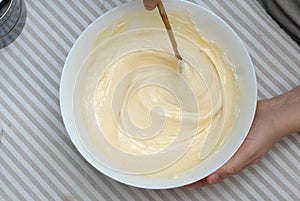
{"x":274,"y":119}
{"x":150,"y":4}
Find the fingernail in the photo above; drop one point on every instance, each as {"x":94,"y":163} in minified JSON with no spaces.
{"x":214,"y":178}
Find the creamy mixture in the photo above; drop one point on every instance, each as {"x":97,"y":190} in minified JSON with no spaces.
{"x":141,"y":112}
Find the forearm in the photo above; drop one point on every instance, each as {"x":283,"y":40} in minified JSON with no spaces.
{"x":287,"y":112}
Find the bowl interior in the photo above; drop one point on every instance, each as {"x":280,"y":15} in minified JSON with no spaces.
{"x":214,"y":29}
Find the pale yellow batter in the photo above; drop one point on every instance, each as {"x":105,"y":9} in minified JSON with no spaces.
{"x":145,"y":116}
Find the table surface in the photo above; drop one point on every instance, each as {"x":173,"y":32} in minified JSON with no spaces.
{"x":37,"y":158}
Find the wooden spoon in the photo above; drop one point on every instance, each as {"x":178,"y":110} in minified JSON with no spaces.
{"x":165,"y":19}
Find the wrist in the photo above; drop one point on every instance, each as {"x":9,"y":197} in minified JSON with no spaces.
{"x":285,"y":111}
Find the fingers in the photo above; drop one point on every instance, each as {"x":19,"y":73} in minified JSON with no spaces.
{"x":200,"y":183}
{"x":150,"y":4}
{"x":219,"y":175}
{"x":242,"y":159}
{"x":233,"y":166}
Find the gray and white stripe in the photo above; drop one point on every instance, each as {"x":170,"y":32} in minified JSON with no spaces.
{"x":38,"y":160}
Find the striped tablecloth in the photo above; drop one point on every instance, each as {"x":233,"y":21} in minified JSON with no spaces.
{"x":37,"y":158}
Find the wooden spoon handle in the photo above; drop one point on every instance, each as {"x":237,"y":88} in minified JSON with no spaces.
{"x":165,"y":19}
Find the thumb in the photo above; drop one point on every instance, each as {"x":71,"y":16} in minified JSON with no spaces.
{"x":243,"y":158}
{"x":150,"y":4}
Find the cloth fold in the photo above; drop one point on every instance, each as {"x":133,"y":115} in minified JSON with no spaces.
{"x":286,"y":14}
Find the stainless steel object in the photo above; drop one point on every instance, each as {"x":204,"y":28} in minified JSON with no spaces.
{"x":12,"y":20}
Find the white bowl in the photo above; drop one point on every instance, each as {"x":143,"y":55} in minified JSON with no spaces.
{"x":214,"y":29}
